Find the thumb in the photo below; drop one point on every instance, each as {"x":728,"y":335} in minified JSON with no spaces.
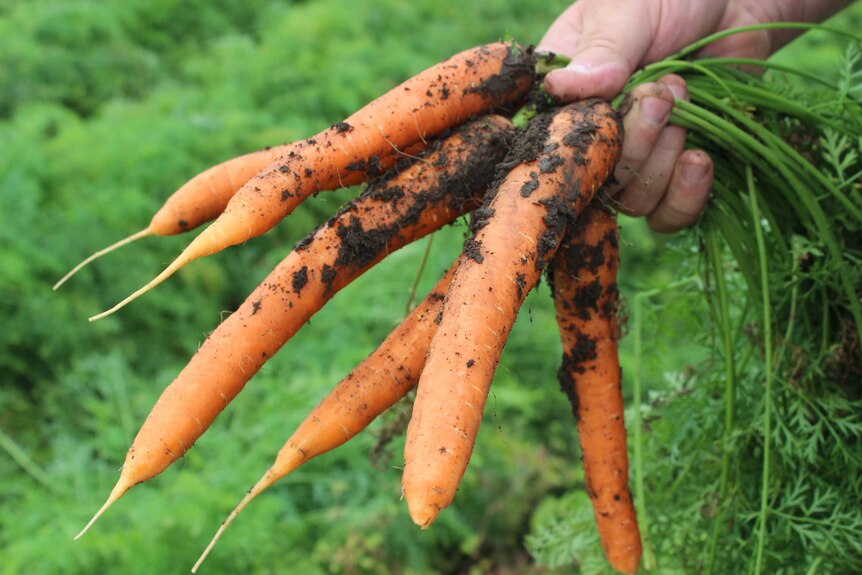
{"x":606,"y":42}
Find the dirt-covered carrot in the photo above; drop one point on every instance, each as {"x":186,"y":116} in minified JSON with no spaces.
{"x":470,"y":83}
{"x":585,"y":297}
{"x":561,"y":161}
{"x":373,"y":386}
{"x":397,"y":210}
{"x":205,"y":196}
{"x":445,"y":95}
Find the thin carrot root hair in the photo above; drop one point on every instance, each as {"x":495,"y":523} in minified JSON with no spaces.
{"x":146,"y":232}
{"x":118,"y":491}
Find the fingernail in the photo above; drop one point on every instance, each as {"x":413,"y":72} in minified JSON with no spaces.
{"x":578,"y":67}
{"x":694,"y":172}
{"x":679,"y":92}
{"x":656,"y":111}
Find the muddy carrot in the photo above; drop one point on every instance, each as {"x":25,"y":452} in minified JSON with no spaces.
{"x":397,"y":210}
{"x":383,"y":378}
{"x":585,"y":297}
{"x":559,"y":163}
{"x":205,"y":196}
{"x":445,"y":95}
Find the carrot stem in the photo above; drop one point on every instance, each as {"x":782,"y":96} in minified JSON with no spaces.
{"x":726,"y":335}
{"x":127,"y":240}
{"x":422,"y":264}
{"x":767,"y":361}
{"x":649,"y":561}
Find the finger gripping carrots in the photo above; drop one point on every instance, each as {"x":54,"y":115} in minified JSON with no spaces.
{"x":585,"y":297}
{"x":400,"y":209}
{"x":519,"y":228}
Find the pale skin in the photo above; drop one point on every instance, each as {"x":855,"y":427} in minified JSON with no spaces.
{"x":609,"y":39}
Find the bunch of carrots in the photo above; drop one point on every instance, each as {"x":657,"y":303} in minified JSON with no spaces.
{"x":434,"y":148}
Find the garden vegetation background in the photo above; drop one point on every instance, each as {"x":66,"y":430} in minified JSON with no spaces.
{"x":107,"y":107}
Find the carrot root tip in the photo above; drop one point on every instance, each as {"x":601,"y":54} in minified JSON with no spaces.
{"x":119,"y":489}
{"x":423,"y":515}
{"x":127,"y":240}
{"x":267,"y":480}
{"x":175,"y":265}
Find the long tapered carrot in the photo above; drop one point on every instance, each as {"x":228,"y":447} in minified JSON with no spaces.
{"x":199,"y":200}
{"x":373,"y":386}
{"x":398,"y":210}
{"x":585,"y":297}
{"x":204,"y":197}
{"x":445,"y":95}
{"x":518,"y":232}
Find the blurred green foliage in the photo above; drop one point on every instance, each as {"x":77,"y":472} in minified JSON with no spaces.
{"x":105,"y":108}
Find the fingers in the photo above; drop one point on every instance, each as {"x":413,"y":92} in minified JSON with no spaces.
{"x":686,"y":195}
{"x":647,"y":111}
{"x":655,"y":177}
{"x":649,"y":184}
{"x":605,"y":47}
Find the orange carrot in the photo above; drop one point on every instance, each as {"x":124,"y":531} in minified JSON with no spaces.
{"x":585,"y":296}
{"x":373,"y":386}
{"x":199,"y":200}
{"x":565,"y":159}
{"x":206,"y":195}
{"x":397,"y":210}
{"x":443,"y":96}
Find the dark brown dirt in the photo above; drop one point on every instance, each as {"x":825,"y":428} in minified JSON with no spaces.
{"x":559,"y":213}
{"x":520,"y":63}
{"x":300,"y":279}
{"x":359,"y":246}
{"x":529,"y":144}
{"x":521,"y":281}
{"x":572,"y":364}
{"x":530,"y":186}
{"x":456,"y":178}
{"x":480,"y":216}
{"x":586,"y":299}
{"x":473,"y":250}
{"x":327,"y":276}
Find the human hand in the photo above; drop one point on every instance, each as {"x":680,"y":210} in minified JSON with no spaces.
{"x":655,"y":176}
{"x":608,"y":39}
